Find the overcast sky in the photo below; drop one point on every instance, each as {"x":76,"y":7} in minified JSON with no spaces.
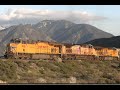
{"x":105,"y":17}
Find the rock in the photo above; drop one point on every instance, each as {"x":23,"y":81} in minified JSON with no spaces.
{"x":33,"y":65}
{"x":2,"y":81}
{"x":63,"y":80}
{"x":59,"y":60}
{"x":41,"y":80}
{"x":42,"y":68}
{"x":18,"y":76}
{"x":29,"y":71}
{"x":72,"y":80}
{"x":80,"y":60}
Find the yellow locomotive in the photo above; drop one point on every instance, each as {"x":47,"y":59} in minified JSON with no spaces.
{"x":20,"y":49}
{"x":107,"y":53}
{"x":32,"y":49}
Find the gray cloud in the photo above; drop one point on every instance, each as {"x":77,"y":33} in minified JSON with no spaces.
{"x":17,"y":16}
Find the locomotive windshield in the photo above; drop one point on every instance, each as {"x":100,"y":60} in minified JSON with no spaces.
{"x":15,"y":40}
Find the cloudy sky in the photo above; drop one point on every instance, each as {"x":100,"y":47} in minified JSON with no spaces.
{"x":105,"y":17}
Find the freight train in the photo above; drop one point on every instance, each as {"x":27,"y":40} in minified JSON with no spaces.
{"x":19,"y":49}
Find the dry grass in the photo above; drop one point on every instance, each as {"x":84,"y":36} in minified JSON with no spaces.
{"x":105,"y":72}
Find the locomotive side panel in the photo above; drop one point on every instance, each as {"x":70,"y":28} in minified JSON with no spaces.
{"x":42,"y":48}
{"x":107,"y":54}
{"x":76,"y":49}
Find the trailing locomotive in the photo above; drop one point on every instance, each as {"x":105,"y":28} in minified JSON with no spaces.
{"x":107,"y":53}
{"x":20,"y":49}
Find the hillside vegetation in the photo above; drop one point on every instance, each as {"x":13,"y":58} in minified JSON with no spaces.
{"x":80,"y":72}
{"x":106,"y":42}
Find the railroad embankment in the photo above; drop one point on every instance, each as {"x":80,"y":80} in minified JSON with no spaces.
{"x":80,"y":72}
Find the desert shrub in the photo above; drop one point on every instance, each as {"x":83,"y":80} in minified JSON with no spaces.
{"x":43,"y":64}
{"x":101,"y":81}
{"x":107,"y":75}
{"x":109,"y":81}
{"x":119,"y":65}
{"x":7,"y":70}
{"x":23,"y":65}
{"x":116,"y":77}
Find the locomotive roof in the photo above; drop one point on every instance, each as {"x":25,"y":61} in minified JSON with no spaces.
{"x":101,"y":47}
{"x":33,"y":41}
{"x":56,"y":43}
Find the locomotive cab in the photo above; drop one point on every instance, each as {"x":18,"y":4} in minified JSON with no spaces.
{"x":11,"y":47}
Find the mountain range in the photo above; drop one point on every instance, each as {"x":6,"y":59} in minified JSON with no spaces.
{"x":52,"y":30}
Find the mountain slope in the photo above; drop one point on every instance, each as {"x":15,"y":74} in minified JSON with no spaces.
{"x":68,"y":32}
{"x":106,"y":42}
{"x":23,"y":32}
{"x":52,"y":27}
{"x":81,"y":33}
{"x":2,"y":27}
